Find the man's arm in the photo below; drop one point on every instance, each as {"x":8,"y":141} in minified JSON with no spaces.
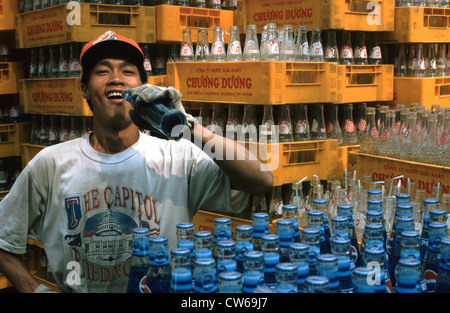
{"x":245,"y":173}
{"x":12,"y":266}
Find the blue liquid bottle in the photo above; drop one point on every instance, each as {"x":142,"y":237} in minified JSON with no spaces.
{"x":443,"y":274}
{"x":362,"y":278}
{"x":409,"y":276}
{"x":403,"y":223}
{"x":270,"y":245}
{"x":317,"y":284}
{"x":373,"y":236}
{"x":347,"y":210}
{"x":428,"y":205}
{"x":339,"y":226}
{"x":327,"y":265}
{"x":159,"y":274}
{"x":185,"y":238}
{"x":299,"y":255}
{"x":205,"y":276}
{"x":315,"y":220}
{"x":230,"y":282}
{"x":181,"y":267}
{"x":311,"y":237}
{"x":285,"y":230}
{"x":374,"y":194}
{"x":260,"y":222}
{"x":202,"y":244}
{"x":253,"y":271}
{"x":226,"y":256}
{"x":244,"y":243}
{"x":340,"y":247}
{"x":375,"y":258}
{"x":437,"y":232}
{"x":376,"y":217}
{"x":139,"y":261}
{"x":290,"y":211}
{"x":286,"y":277}
{"x":222,"y":231}
{"x":410,"y":245}
{"x":322,"y":205}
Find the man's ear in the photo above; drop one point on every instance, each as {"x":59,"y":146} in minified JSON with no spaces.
{"x":85,"y":91}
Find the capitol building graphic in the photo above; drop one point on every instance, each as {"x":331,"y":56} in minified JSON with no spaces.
{"x":110,"y":237}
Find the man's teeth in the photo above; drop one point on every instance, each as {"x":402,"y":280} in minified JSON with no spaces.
{"x":114,"y":95}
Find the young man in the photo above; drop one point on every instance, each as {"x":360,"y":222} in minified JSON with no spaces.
{"x":82,"y":198}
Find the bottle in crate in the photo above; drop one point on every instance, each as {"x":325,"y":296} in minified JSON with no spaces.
{"x":340,"y":247}
{"x":331,"y":50}
{"x":139,"y":261}
{"x":251,"y":45}
{"x":147,"y":62}
{"x":432,"y":70}
{"x":226,"y":256}
{"x":244,"y":243}
{"x":74,"y":63}
{"x":267,"y":129}
{"x":311,"y":237}
{"x":317,"y":124}
{"x":64,"y":53}
{"x":270,"y":47}
{"x":202,"y":53}
{"x":360,"y":49}
{"x":333,"y":129}
{"x":159,"y":273}
{"x":284,"y":122}
{"x":270,"y":245}
{"x":316,"y":48}
{"x":290,"y":211}
{"x":287,"y":46}
{"x":234,"y":52}
{"x":284,"y":231}
{"x":52,"y":66}
{"x":369,"y":141}
{"x":300,"y":122}
{"x":249,"y":124}
{"x":202,"y":244}
{"x":181,"y":270}
{"x":437,"y":232}
{"x":187,"y":49}
{"x":214,"y":4}
{"x":375,"y":55}
{"x":233,"y":121}
{"x":218,"y":51}
{"x":347,"y":211}
{"x":301,"y":48}
{"x":253,"y":271}
{"x":299,"y":255}
{"x":346,"y":55}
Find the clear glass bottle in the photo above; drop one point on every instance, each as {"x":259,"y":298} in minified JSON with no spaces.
{"x":316,"y":49}
{"x":388,"y":145}
{"x":222,"y":230}
{"x":198,"y":3}
{"x":409,"y":137}
{"x":286,"y":277}
{"x":233,"y":121}
{"x":422,"y":64}
{"x":301,"y":124}
{"x":360,"y":56}
{"x":244,"y":243}
{"x":284,"y":122}
{"x":333,"y":129}
{"x":401,"y":69}
{"x":270,"y":245}
{"x":234,"y":52}
{"x":42,"y":64}
{"x":53,"y":132}
{"x":205,"y":276}
{"x":412,"y":61}
{"x":74,"y":130}
{"x":52,"y":66}
{"x":316,"y":220}
{"x":140,"y":253}
{"x":346,"y":55}
{"x":375,"y":55}
{"x":302,"y":45}
{"x":317,"y":124}
{"x":311,"y":237}
{"x":290,"y":211}
{"x":267,"y":129}
{"x":347,"y":210}
{"x":202,"y":53}
{"x":432,"y":70}
{"x":74,"y":63}
{"x":251,"y":45}
{"x":185,"y":238}
{"x":287,"y":47}
{"x":430,"y":149}
{"x":214,"y":4}
{"x":299,"y":255}
{"x":44,"y":130}
{"x":159,"y":273}
{"x":181,"y":271}
{"x":253,"y":271}
{"x":349,"y":136}
{"x":249,"y":124}
{"x":369,"y":142}
{"x":331,"y":51}
{"x":187,"y":49}
{"x":270,"y":50}
{"x":65,"y":129}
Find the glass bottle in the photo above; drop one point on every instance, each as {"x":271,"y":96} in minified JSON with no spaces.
{"x":375,"y":258}
{"x":251,"y":45}
{"x":140,"y":253}
{"x":428,"y":205}
{"x":35,"y":130}
{"x":181,"y":270}
{"x":284,"y":229}
{"x":52,"y":66}
{"x":244,"y":243}
{"x":430,"y":150}
{"x":333,"y":129}
{"x":63,"y":69}
{"x":185,"y":238}
{"x":318,"y":131}
{"x":202,"y":244}
{"x":408,"y":276}
{"x":44,"y":130}
{"x":286,"y":277}
{"x":432,"y":70}
{"x":159,"y":274}
{"x":339,"y":226}
{"x":65,"y":129}
{"x":226,"y":256}
{"x":362,"y":280}
{"x":443,"y":274}
{"x":331,"y":51}
{"x":317,"y":284}
{"x":388,"y":137}
{"x":410,"y":245}
{"x":375,"y":55}
{"x":361,"y":120}
{"x":349,"y":136}
{"x":327,"y":266}
{"x":340,"y":247}
{"x":74,"y":60}
{"x":147,"y":62}
{"x":249,"y":124}
{"x":287,"y":47}
{"x":316,"y":49}
{"x":233,"y":121}
{"x":234,"y":52}
{"x":270,"y":245}
{"x":441,"y":60}
{"x":373,"y":236}
{"x":412,"y":61}
{"x":260,"y":222}
{"x":299,"y":255}
{"x":270,"y":47}
{"x":311,"y":237}
{"x":53,"y":132}
{"x":187,"y":49}
{"x":205,"y":276}
{"x":218,"y":51}
{"x":284,"y":122}
{"x":401,"y":69}
{"x":409,"y":137}
{"x":173,"y":53}
{"x":267,"y":130}
{"x":437,"y":232}
{"x":290,"y":211}
{"x":42,"y":65}
{"x":301,"y":124}
{"x":198,"y":3}
{"x":346,"y":55}
{"x":274,"y":199}
{"x":74,"y":130}
{"x":347,"y":210}
{"x":222,"y":231}
{"x":422,"y":67}
{"x":253,"y":271}
{"x":370,"y":138}
{"x":214,"y":4}
{"x":316,"y":220}
{"x":301,"y":49}
{"x":202,"y":53}
{"x":360,"y":56}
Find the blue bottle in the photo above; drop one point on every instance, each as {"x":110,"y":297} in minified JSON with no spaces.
{"x":285,"y":230}
{"x":139,"y":261}
{"x":253,"y":271}
{"x":270,"y":245}
{"x":317,"y":284}
{"x":347,"y":210}
{"x":375,"y":204}
{"x":244,"y":243}
{"x":230,"y":282}
{"x":410,"y":245}
{"x":438,"y":215}
{"x":402,"y":198}
{"x":181,"y":268}
{"x":205,"y":276}
{"x":226,"y":256}
{"x":339,"y":226}
{"x":286,"y":277}
{"x":290,"y":211}
{"x":202,"y":244}
{"x":437,"y":232}
{"x":428,"y":205}
{"x":311,"y":237}
{"x":260,"y":222}
{"x":322,"y":205}
{"x":327,"y":265}
{"x":409,"y":276}
{"x":159,"y":274}
{"x":315,"y":220}
{"x":340,"y":247}
{"x":373,"y":236}
{"x":363,"y":281}
{"x":402,"y":223}
{"x":222,"y":231}
{"x":376,"y":217}
{"x":374,"y":194}
{"x":299,"y":255}
{"x":375,"y":258}
{"x":443,"y":274}
{"x":185,"y":238}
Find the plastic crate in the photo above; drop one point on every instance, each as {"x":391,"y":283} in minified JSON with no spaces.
{"x":265,"y":82}
{"x":12,"y":135}
{"x":364,"y":83}
{"x":425,"y":175}
{"x":291,"y":161}
{"x":425,"y":91}
{"x":8,"y":9}
{"x":10,"y":73}
{"x":51,"y":25}
{"x":171,"y":20}
{"x":330,"y":14}
{"x":157,"y":80}
{"x":29,"y":151}
{"x":420,"y":25}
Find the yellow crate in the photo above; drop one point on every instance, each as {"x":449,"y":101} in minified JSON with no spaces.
{"x":291,"y":161}
{"x":265,"y":82}
{"x":8,"y":9}
{"x":158,"y":80}
{"x":425,"y":175}
{"x":420,"y":25}
{"x":10,"y":73}
{"x":342,"y":163}
{"x":425,"y":91}
{"x":58,"y":24}
{"x":12,"y":135}
{"x":364,"y":83}
{"x":171,"y":20}
{"x":331,"y":14}
{"x":29,"y":151}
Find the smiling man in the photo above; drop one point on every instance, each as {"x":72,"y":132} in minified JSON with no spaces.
{"x":82,"y":198}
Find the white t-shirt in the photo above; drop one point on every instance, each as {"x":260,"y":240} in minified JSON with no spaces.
{"x":82,"y":205}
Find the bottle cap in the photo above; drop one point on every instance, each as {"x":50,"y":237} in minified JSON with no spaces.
{"x":290,"y":207}
{"x":185,"y":226}
{"x":286,"y":267}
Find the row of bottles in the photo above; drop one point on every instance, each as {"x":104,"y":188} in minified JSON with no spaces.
{"x":10,"y":168}
{"x":9,"y":109}
{"x":284,"y":44}
{"x":423,"y":3}
{"x":412,"y":134}
{"x":48,"y":130}
{"x":32,"y":5}
{"x":422,"y":60}
{"x":323,"y":257}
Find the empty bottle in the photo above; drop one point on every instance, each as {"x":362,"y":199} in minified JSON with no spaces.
{"x":43,"y":62}
{"x":205,"y":276}
{"x":218,"y":51}
{"x":317,"y":124}
{"x":198,"y":3}
{"x":139,"y":261}
{"x":270,"y":50}
{"x":333,"y":129}
{"x":202,"y":53}
{"x":74,"y":63}
{"x":64,"y":130}
{"x":249,"y":124}
{"x":181,"y":270}
{"x":267,"y":129}
{"x":251,"y":45}
{"x":302,"y":45}
{"x":316,"y":49}
{"x":299,"y":255}
{"x":287,"y":46}
{"x":187,"y":49}
{"x":442,"y":60}
{"x":214,"y":4}
{"x":346,"y":55}
{"x":340,"y":247}
{"x":253,"y":271}
{"x":53,"y":132}
{"x":432,"y":70}
{"x":401,"y":69}
{"x":285,"y":126}
{"x":331,"y":51}
{"x":422,"y":66}
{"x":234,"y":52}
{"x":52,"y":66}
{"x":301,"y":124}
{"x":44,"y":130}
{"x":349,"y":136}
{"x":389,"y":145}
{"x":159,"y":274}
{"x":286,"y":277}
{"x":63,"y":69}
{"x":360,"y":56}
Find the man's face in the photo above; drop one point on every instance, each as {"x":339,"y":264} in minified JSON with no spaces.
{"x":108,"y":79}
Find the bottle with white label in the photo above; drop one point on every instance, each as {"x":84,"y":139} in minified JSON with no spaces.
{"x":346,"y":50}
{"x":63,"y":69}
{"x":300,"y":121}
{"x":234,"y":52}
{"x":287,"y":46}
{"x":316,"y":48}
{"x":270,"y":47}
{"x":331,"y":51}
{"x":284,"y":122}
{"x":421,"y":61}
{"x":218,"y":51}
{"x":267,"y":130}
{"x":441,"y":60}
{"x":432,"y":70}
{"x":187,"y":49}
{"x":202,"y":46}
{"x":360,"y":49}
{"x":318,"y":131}
{"x":375,"y":55}
{"x":147,"y":62}
{"x":74,"y":63}
{"x":302,"y":45}
{"x":251,"y":46}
